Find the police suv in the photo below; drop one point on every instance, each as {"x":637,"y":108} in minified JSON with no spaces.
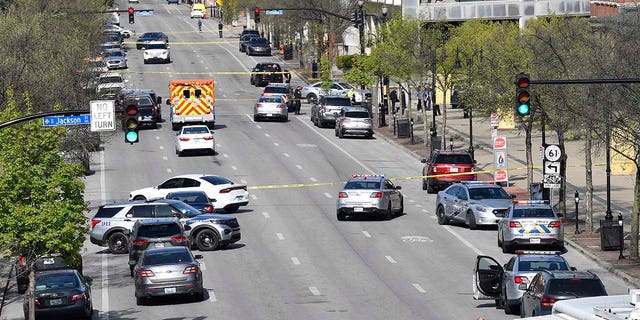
{"x":530,"y":223}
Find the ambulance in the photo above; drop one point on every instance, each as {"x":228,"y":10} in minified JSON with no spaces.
{"x":191,"y":102}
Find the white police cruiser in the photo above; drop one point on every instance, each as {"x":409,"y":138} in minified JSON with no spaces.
{"x":530,"y":223}
{"x":368,"y":195}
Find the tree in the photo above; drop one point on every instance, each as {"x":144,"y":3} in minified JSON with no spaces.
{"x":41,"y":208}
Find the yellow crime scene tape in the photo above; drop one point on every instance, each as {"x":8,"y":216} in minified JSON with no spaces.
{"x":332,"y":184}
{"x":201,"y":72}
{"x":183,"y":43}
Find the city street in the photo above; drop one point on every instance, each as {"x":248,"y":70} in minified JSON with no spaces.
{"x":295,"y":260}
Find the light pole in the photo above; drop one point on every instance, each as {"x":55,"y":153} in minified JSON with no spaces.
{"x":577,"y":196}
{"x":458,"y":65}
{"x":360,"y":21}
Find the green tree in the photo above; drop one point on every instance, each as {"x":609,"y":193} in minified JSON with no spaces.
{"x":41,"y":208}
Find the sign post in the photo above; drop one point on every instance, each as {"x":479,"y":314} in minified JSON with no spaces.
{"x":501,"y":174}
{"x":551,"y":167}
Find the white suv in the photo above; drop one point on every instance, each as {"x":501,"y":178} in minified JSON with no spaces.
{"x":157,"y":51}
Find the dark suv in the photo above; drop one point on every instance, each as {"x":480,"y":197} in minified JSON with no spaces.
{"x":147,"y":111}
{"x":326,"y":111}
{"x":280,"y":89}
{"x":547,"y":287}
{"x":155,"y":233}
{"x":452,"y":165}
{"x":266,"y":72}
{"x":49,"y":262}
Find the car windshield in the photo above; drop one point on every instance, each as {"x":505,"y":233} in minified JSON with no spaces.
{"x":271,"y":99}
{"x":216,"y":180}
{"x":576,"y":287}
{"x":195,"y":130}
{"x":258,"y":41}
{"x":110,"y":79}
{"x":363,"y":185}
{"x":248,"y":37}
{"x":55,"y":281}
{"x":167,"y":258}
{"x":488,"y":193}
{"x":156,"y":46}
{"x":158,"y":230}
{"x":190,"y":197}
{"x":454,"y":158}
{"x":150,"y":35}
{"x":346,"y":85}
{"x":542,"y":265}
{"x":282,"y":90}
{"x":186,"y":209}
{"x":357,"y":114}
{"x":533,"y":213}
{"x":114,"y":54}
{"x":338,"y":101}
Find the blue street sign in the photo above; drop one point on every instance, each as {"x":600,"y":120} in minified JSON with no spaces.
{"x":53,"y":121}
{"x":270,"y":12}
{"x":144,"y":12}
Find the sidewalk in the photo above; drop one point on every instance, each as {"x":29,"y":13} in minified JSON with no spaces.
{"x":586,"y":243}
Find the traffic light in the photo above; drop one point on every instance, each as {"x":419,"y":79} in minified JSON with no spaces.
{"x":354,"y":19}
{"x":131,"y":124}
{"x":523,"y":96}
{"x":131,"y":15}
{"x":256,"y":14}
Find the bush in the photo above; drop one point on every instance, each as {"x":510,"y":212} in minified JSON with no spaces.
{"x":346,"y":62}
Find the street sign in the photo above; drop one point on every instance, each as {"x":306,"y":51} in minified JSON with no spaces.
{"x":500,"y":159}
{"x":552,"y":152}
{"x":144,"y":13}
{"x":499,"y":143}
{"x":500,"y":176}
{"x":270,"y":12}
{"x":103,"y":115}
{"x":551,"y":181}
{"x":551,"y":168}
{"x":54,"y":121}
{"x":541,"y":151}
{"x":494,"y":119}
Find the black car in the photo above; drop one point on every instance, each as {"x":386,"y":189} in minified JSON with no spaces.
{"x":61,"y":294}
{"x":244,"y":40}
{"x":150,"y":36}
{"x":49,"y":262}
{"x":266,"y":72}
{"x":196,"y":199}
{"x":155,"y":233}
{"x":258,"y":46}
{"x":250,"y":31}
{"x":147,"y":112}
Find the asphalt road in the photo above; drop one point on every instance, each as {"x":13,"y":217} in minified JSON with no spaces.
{"x":295,"y":260}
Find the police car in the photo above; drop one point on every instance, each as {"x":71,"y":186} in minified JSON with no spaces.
{"x":519,"y":270}
{"x":530,"y":223}
{"x":368,"y":195}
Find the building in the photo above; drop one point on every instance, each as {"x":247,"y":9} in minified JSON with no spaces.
{"x":613,"y":7}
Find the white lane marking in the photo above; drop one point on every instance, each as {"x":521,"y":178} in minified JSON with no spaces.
{"x":299,"y":166}
{"x":327,"y":195}
{"x":267,"y":135}
{"x":253,"y":197}
{"x":258,"y":126}
{"x":366,"y":234}
{"x":243,"y":181}
{"x":419,"y":288}
{"x":105,"y":261}
{"x":169,"y":170}
{"x":157,"y":137}
{"x":250,"y":117}
{"x":412,"y":201}
{"x":275,"y":144}
{"x":203,"y":266}
{"x":314,"y":291}
{"x":206,"y":68}
{"x":464,"y":241}
{"x":212,"y":296}
{"x":218,"y":145}
{"x":295,"y":261}
{"x":161,"y":147}
{"x":234,"y":167}
{"x":266,"y":215}
{"x":280,"y":236}
{"x":286,"y":155}
{"x":304,"y":121}
{"x":425,"y":210}
{"x":419,"y":205}
{"x":165,"y":158}
{"x":313,"y":179}
{"x":391,"y":259}
{"x":225,"y":155}
{"x":433,"y":217}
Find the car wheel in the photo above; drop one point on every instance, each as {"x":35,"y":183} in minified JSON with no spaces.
{"x":312,"y":98}
{"x":141,"y":301}
{"x":138,"y":197}
{"x":505,"y":303}
{"x":442,"y":218}
{"x":175,"y":127}
{"x":255,"y":118}
{"x":154,"y":125}
{"x":389,"y":214}
{"x":506,"y":247}
{"x":131,"y":270}
{"x":199,"y":296}
{"x":145,"y":62}
{"x":231,"y":209}
{"x":118,"y":243}
{"x":430,"y":188}
{"x":336,"y":132}
{"x":340,"y":134}
{"x":401,"y":210}
{"x":471,"y":221}
{"x":499,"y":242}
{"x":207,"y":240}
{"x":252,"y":82}
{"x":424,"y":184}
{"x":341,"y":216}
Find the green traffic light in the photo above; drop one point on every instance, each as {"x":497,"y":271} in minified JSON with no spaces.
{"x":523,"y":109}
{"x":132,"y":136}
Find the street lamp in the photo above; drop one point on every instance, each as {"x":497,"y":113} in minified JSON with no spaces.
{"x":360,"y":21}
{"x":577,"y":196}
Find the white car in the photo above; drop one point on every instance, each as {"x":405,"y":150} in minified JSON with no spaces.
{"x":314,"y":90}
{"x":157,"y":51}
{"x":126,"y":33}
{"x":110,"y":81}
{"x":197,"y":13}
{"x":222,"y":192}
{"x":195,"y":138}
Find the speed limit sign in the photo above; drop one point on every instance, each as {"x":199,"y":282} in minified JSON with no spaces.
{"x":552,"y":152}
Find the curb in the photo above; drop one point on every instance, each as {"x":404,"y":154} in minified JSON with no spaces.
{"x":606,"y":265}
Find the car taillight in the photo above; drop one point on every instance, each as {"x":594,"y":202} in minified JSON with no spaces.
{"x":258,"y":105}
{"x":514,"y":224}
{"x":434,"y":169}
{"x":146,"y":273}
{"x":94,"y":222}
{"x":36,"y":302}
{"x":208,"y":138}
{"x":343,"y":195}
{"x":179,"y":239}
{"x":139,"y":242}
{"x":77,"y":297}
{"x":554,"y":224}
{"x":226,"y":190}
{"x":281,"y":106}
{"x":184,"y":139}
{"x":376,"y":195}
{"x":207,"y":208}
{"x":190,"y":269}
{"x":153,"y":111}
{"x":547,"y":301}
{"x":520,"y":279}
{"x":324,"y":108}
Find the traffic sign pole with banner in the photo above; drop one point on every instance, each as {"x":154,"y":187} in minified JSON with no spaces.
{"x":500,"y":153}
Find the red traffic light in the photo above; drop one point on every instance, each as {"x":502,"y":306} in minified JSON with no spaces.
{"x":523,"y":96}
{"x":522,"y":81}
{"x":256,"y":10}
{"x":131,"y":10}
{"x":132,"y":110}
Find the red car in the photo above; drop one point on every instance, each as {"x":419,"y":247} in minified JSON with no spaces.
{"x":449,"y":164}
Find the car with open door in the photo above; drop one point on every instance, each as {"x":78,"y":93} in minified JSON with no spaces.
{"x":487,"y":279}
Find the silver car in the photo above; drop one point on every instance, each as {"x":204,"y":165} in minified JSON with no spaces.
{"x":368,"y":195}
{"x":531,"y":222}
{"x":354,"y":120}
{"x":326,"y":111}
{"x":115,"y":59}
{"x":473,"y":203}
{"x":168,"y":271}
{"x":271,"y":106}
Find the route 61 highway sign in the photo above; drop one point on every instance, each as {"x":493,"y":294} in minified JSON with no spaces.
{"x":552,"y":152}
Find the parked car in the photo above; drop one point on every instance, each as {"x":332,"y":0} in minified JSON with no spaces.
{"x":520,"y":269}
{"x":155,"y":233}
{"x":196,"y":199}
{"x":258,"y":46}
{"x":474,"y":203}
{"x":313,"y":91}
{"x":166,"y":272}
{"x":530,"y":223}
{"x":147,"y":112}
{"x":446,"y":167}
{"x":48,"y":262}
{"x":61,"y":294}
{"x":244,"y":41}
{"x":367,"y":195}
{"x":282,"y":89}
{"x":354,"y":121}
{"x":326,"y":111}
{"x":115,"y":59}
{"x":271,"y":106}
{"x":146,"y":37}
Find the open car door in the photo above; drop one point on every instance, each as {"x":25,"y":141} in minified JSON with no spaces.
{"x":487,"y":278}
